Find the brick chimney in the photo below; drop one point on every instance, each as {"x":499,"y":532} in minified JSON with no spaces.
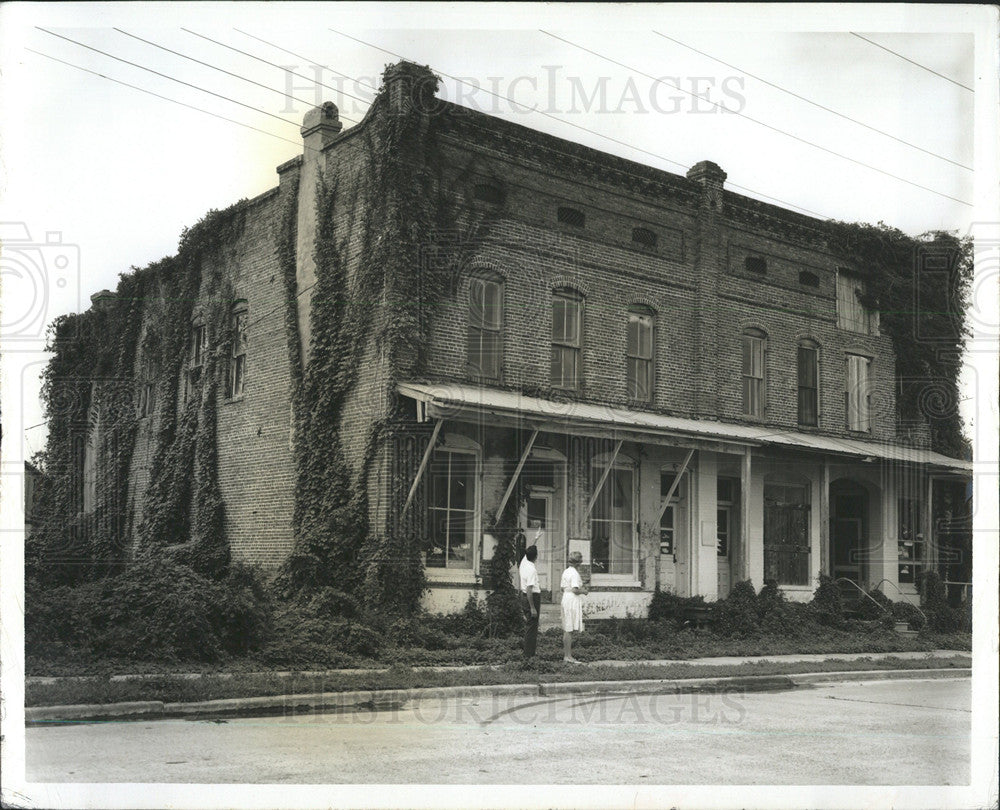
{"x":410,"y":85}
{"x":710,"y":177}
{"x":102,"y":300}
{"x":320,"y":126}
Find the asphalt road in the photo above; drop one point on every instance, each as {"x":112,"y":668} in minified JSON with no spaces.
{"x":884,"y":732}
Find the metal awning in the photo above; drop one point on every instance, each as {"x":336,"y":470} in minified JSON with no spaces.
{"x":467,"y":402}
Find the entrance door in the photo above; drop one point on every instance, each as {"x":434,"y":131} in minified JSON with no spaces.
{"x":847,"y":549}
{"x":848,"y":534}
{"x":540,"y":529}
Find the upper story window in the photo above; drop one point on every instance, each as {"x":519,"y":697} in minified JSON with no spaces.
{"x":858,"y":393}
{"x":852,"y":315}
{"x":755,"y":264}
{"x":808,"y":378}
{"x":452,"y":509}
{"x":571,"y":216}
{"x":197,"y":354}
{"x":639,"y":353}
{"x":485,"y":349}
{"x":147,"y":387}
{"x":238,"y":349}
{"x":489,"y":193}
{"x":567,"y":338}
{"x":644,"y":237}
{"x":807,"y":279}
{"x":754,"y":387}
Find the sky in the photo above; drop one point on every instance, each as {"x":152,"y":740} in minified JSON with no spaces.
{"x":855,"y":114}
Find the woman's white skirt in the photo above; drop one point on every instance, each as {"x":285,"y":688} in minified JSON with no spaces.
{"x":572,"y":612}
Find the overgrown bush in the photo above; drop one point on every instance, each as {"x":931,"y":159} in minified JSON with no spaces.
{"x":941,"y":617}
{"x":668,"y":606}
{"x":906,"y":612}
{"x":737,"y":615}
{"x":869,"y":610}
{"x":827,"y":603}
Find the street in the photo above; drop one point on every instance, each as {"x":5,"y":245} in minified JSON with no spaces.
{"x":909,"y":732}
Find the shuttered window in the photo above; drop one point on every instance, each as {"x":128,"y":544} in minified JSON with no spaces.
{"x":858,"y":393}
{"x":808,"y":374}
{"x":852,"y":315}
{"x":640,"y":356}
{"x":753,"y":372}
{"x":485,"y":349}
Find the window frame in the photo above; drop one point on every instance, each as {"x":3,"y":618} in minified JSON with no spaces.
{"x":446,"y":572}
{"x":805,"y":504}
{"x":482,"y":328}
{"x":864,"y":394}
{"x":640,"y":313}
{"x":560,"y":347}
{"x":238,"y":311}
{"x":623,"y":464}
{"x":670,"y":525}
{"x":147,"y":388}
{"x":753,"y":337}
{"x":916,"y":550}
{"x":727,"y":505}
{"x":197,"y":350}
{"x":808,"y":345}
{"x":852,"y":315}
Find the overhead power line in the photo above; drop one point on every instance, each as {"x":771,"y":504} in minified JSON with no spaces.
{"x":905,"y":59}
{"x":170,"y":78}
{"x":281,"y":93}
{"x":814,"y":103}
{"x":759,"y":122}
{"x":165,"y":98}
{"x":281,"y":67}
{"x":586,"y":129}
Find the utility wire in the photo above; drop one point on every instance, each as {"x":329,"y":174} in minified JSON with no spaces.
{"x":280,"y":67}
{"x":814,"y":103}
{"x":761,"y":123}
{"x":905,"y":59}
{"x":585,"y":129}
{"x":166,"y":98}
{"x":221,"y":70}
{"x":165,"y":76}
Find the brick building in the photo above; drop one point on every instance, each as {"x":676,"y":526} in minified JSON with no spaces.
{"x":678,"y":381}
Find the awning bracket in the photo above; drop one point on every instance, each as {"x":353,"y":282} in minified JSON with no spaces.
{"x":517,"y":473}
{"x":604,"y":477}
{"x":423,"y":465}
{"x":674,"y":485}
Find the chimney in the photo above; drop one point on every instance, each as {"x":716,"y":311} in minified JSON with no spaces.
{"x":102,"y":300}
{"x":409,"y":85}
{"x":320,"y":126}
{"x":710,"y":177}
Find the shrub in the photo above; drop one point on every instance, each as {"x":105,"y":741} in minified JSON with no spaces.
{"x":869,"y":610}
{"x":941,"y":617}
{"x":778,"y":616}
{"x":737,"y":615}
{"x":503,"y":613}
{"x":827,"y":603}
{"x":905,"y":612}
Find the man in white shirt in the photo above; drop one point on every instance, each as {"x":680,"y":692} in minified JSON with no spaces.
{"x":531,"y":599}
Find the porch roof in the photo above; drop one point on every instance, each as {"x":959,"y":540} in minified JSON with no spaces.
{"x":462,"y":402}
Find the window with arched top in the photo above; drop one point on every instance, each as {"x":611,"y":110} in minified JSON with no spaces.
{"x":754,"y":342}
{"x":644,"y":237}
{"x":567,"y":338}
{"x":485,"y":333}
{"x":237,"y":349}
{"x":808,"y":382}
{"x":639,"y":354}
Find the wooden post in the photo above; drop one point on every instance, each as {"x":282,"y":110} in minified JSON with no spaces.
{"x":604,"y":477}
{"x":517,"y":472}
{"x":824,"y":520}
{"x":744,"y":566}
{"x":423,"y":466}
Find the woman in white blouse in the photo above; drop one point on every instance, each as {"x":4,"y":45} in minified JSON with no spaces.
{"x":572,"y":604}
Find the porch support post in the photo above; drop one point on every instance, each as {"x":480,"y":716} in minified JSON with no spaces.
{"x":423,"y":466}
{"x":604,"y":477}
{"x":824,"y":520}
{"x":517,"y":472}
{"x":673,"y":486}
{"x":744,"y":566}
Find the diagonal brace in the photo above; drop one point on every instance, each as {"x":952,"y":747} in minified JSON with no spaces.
{"x":517,"y":472}
{"x":604,"y":477}
{"x":423,"y":466}
{"x":673,"y":486}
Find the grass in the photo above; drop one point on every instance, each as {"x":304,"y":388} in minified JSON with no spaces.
{"x":213,"y":687}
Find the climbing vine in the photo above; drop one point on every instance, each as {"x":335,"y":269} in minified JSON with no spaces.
{"x":920,"y":287}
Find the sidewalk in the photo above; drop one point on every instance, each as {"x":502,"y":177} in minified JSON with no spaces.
{"x":372,"y":699}
{"x":729,"y":660}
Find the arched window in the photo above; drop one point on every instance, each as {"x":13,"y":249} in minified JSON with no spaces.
{"x":754,"y":384}
{"x":567,"y":337}
{"x":644,"y":237}
{"x":639,"y":354}
{"x":808,"y":377}
{"x":485,"y":337}
{"x":237,"y":349}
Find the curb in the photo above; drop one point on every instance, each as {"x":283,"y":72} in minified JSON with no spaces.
{"x":320,"y":702}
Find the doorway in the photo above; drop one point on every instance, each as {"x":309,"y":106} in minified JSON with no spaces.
{"x":849,"y":534}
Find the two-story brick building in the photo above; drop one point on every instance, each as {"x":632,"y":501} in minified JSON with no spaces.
{"x":680,"y":382}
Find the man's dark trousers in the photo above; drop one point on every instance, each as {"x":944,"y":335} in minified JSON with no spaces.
{"x":531,"y":630}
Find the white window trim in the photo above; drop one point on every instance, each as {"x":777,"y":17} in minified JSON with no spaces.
{"x":623,"y":462}
{"x":456,"y":443}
